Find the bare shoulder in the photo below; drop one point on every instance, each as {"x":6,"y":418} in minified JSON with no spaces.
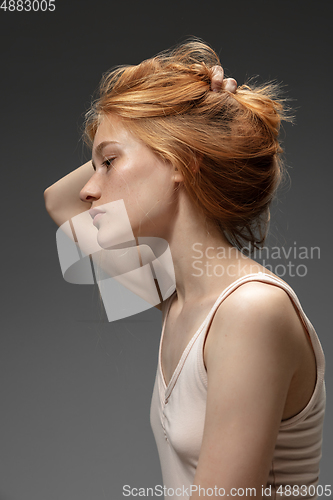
{"x":256,"y":316}
{"x":259,"y":298}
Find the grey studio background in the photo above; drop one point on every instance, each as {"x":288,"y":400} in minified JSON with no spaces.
{"x":74,"y":389}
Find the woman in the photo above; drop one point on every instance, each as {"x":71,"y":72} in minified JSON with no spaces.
{"x":239,"y":396}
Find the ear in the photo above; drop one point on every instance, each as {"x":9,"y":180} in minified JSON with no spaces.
{"x":194,"y":166}
{"x":177,"y":176}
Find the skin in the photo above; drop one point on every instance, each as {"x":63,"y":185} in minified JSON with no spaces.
{"x":260,"y":364}
{"x":125,"y":169}
{"x":219,"y":82}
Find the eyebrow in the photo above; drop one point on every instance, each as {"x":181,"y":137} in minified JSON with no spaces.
{"x":98,"y":149}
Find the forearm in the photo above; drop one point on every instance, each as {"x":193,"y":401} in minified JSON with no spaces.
{"x":62,"y":199}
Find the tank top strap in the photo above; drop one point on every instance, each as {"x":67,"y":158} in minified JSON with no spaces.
{"x":273,"y":280}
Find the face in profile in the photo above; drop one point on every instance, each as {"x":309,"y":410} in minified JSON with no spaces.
{"x":126,"y":169}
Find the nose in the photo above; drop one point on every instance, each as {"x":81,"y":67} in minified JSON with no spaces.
{"x":91,"y":191}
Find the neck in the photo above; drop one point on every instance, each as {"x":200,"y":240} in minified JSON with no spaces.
{"x":204,"y":260}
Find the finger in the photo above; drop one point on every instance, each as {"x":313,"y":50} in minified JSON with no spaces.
{"x":217,"y":78}
{"x":230,"y":85}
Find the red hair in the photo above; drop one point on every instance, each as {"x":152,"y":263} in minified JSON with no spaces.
{"x":166,"y":101}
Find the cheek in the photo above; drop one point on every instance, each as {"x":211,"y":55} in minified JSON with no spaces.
{"x":153,"y":194}
{"x":115,"y":186}
{"x":140,"y":185}
{"x":146,"y":187}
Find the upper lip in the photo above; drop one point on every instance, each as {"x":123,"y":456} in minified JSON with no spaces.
{"x":94,"y":211}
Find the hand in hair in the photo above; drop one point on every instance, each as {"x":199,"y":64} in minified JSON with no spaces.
{"x":218,"y":81}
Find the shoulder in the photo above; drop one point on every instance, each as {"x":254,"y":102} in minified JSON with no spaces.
{"x":255,"y":298}
{"x":258,"y":302}
{"x":257,"y":318}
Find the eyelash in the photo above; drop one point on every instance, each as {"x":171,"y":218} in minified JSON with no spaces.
{"x":108,"y":162}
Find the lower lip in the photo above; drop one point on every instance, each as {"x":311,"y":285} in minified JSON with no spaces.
{"x":97,"y":217}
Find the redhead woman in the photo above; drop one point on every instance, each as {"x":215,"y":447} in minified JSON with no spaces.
{"x":239,"y":397}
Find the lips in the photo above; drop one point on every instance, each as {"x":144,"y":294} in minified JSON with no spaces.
{"x":96,"y":214}
{"x":95,"y":211}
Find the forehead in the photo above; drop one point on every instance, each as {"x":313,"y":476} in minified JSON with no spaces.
{"x":111,"y":127}
{"x":113,"y":135}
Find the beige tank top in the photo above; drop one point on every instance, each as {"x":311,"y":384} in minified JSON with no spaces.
{"x":178,"y":412}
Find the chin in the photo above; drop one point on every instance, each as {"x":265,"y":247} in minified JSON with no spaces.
{"x":114,"y":234}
